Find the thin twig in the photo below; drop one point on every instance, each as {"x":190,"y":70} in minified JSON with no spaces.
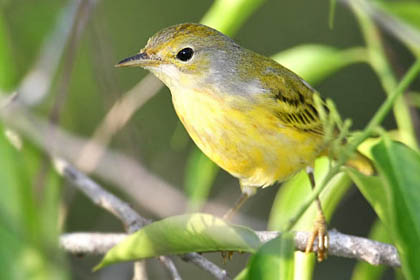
{"x":91,"y":243}
{"x":34,"y":87}
{"x":130,"y":218}
{"x":206,"y":265}
{"x":82,"y":16}
{"x":347,"y":246}
{"x":120,"y":209}
{"x":140,"y":272}
{"x":341,"y":245}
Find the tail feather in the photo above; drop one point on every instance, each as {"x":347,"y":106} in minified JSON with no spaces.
{"x":361,"y":163}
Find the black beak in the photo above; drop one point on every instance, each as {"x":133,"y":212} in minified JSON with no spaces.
{"x":135,"y":60}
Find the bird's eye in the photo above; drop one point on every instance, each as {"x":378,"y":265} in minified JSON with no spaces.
{"x":185,"y":54}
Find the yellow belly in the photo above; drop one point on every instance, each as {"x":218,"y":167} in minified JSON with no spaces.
{"x":244,"y":139}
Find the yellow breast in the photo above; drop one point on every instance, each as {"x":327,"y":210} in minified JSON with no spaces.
{"x":245,"y":138}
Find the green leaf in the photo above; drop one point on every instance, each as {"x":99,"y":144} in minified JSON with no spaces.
{"x":399,"y":167}
{"x":289,"y":199}
{"x":28,"y":228}
{"x":200,"y":175}
{"x":396,"y":198}
{"x":228,"y":16}
{"x":274,"y":260}
{"x":183,"y":234}
{"x":316,"y":62}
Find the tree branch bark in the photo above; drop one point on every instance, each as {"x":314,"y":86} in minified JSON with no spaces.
{"x":127,"y":215}
{"x":341,"y":245}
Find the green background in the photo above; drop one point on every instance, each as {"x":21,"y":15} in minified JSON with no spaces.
{"x":118,"y":29}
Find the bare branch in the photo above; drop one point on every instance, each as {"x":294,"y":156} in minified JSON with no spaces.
{"x":140,"y":272}
{"x":35,"y":85}
{"x":348,"y":246}
{"x":122,"y":211}
{"x":341,"y":245}
{"x":170,"y":267}
{"x":206,"y":265}
{"x":90,"y":243}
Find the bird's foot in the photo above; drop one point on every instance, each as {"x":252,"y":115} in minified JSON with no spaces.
{"x":319,"y":232}
{"x":227,"y":256}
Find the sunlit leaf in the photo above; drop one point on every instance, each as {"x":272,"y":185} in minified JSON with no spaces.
{"x":183,"y":234}
{"x":228,"y":16}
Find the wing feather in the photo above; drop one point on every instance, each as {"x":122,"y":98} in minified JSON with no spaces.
{"x":294,"y":103}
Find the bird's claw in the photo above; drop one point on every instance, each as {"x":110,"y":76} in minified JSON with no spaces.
{"x":227,"y":256}
{"x":320,"y":232}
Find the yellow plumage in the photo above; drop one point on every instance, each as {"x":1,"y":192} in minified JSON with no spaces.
{"x":249,"y":142}
{"x":250,"y":115}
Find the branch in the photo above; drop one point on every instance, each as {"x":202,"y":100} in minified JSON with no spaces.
{"x":347,"y":246}
{"x":341,"y":245}
{"x":120,"y":209}
{"x":130,"y":218}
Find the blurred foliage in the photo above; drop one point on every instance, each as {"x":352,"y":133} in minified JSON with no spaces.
{"x":8,"y":70}
{"x":29,"y":213}
{"x":344,"y":67}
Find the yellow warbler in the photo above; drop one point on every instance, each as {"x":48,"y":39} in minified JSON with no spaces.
{"x":253,"y":117}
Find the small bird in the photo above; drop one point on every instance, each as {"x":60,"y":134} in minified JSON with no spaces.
{"x":250,"y":115}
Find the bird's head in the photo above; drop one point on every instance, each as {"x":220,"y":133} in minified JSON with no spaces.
{"x":188,"y":53}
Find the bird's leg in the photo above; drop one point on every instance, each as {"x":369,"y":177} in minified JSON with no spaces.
{"x":320,"y":226}
{"x":246,"y":193}
{"x":229,"y":214}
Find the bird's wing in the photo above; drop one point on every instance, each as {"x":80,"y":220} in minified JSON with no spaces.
{"x":293,"y":101}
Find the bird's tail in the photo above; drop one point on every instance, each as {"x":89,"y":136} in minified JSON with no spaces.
{"x":361,"y":163}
